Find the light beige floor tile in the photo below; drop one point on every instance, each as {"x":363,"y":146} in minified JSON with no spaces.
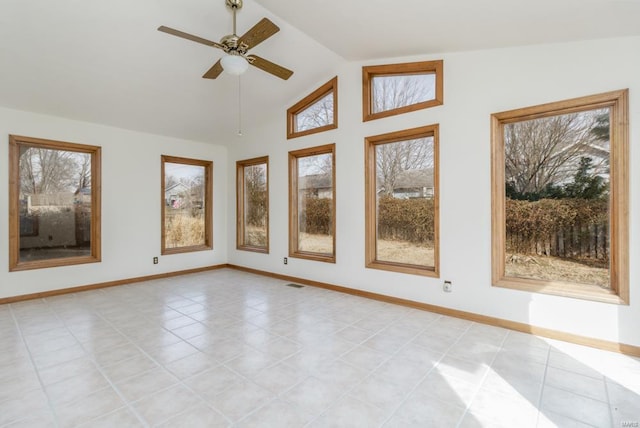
{"x":63,"y":355}
{"x":312,"y":396}
{"x":300,"y":356}
{"x":240,"y":399}
{"x":166,"y":404}
{"x":200,"y":416}
{"x":402,"y":371}
{"x":144,"y":384}
{"x":89,"y":407}
{"x":110,"y":356}
{"x":429,"y":413}
{"x":448,"y":389}
{"x":380,"y":393}
{"x":434,"y":342}
{"x":20,"y":406}
{"x":354,"y":334}
{"x":250,"y":362}
{"x":575,"y":406}
{"x":213,"y":382}
{"x":549,"y":419}
{"x":277,"y":413}
{"x":33,"y":419}
{"x":350,"y":413}
{"x":74,"y":368}
{"x":505,"y":409}
{"x":75,"y":388}
{"x":121,"y":418}
{"x":469,"y":371}
{"x":513,"y":385}
{"x":365,"y":357}
{"x":18,"y":386}
{"x":513,"y":368}
{"x":191,"y":365}
{"x":278,"y":378}
{"x":227,"y":349}
{"x":576,"y":383}
{"x":568,"y":362}
{"x":128,"y":368}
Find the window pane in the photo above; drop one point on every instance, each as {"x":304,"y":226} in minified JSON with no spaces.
{"x":395,"y":91}
{"x":184,"y":211}
{"x":405,"y":211}
{"x":54,"y":204}
{"x":316,"y":115}
{"x":315,"y":206}
{"x":557,"y":198}
{"x":317,"y":112}
{"x":255,"y":205}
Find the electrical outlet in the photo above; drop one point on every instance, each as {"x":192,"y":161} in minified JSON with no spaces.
{"x":155,"y":260}
{"x":447,"y":287}
{"x":286,"y":261}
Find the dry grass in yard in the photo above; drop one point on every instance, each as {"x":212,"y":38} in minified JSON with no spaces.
{"x":315,"y":243}
{"x":388,"y":251}
{"x":184,"y":230}
{"x":405,"y":252}
{"x":555,"y":269}
{"x":255,"y":236}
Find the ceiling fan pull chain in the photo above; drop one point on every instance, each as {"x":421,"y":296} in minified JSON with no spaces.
{"x":239,"y":107}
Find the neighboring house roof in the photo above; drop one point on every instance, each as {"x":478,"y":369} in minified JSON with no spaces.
{"x":177,"y":187}
{"x":315,"y":181}
{"x":413,"y":179}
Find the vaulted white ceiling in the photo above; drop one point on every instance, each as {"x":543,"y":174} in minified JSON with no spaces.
{"x":103,"y":61}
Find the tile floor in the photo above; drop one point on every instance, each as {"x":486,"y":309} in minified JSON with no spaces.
{"x":226,"y":348}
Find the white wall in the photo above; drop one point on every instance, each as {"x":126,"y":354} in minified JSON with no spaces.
{"x":130,"y":203}
{"x":476,"y":85}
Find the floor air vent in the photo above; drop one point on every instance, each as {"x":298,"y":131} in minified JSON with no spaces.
{"x":294,"y":285}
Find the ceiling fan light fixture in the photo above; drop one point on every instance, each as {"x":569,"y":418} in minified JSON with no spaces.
{"x":234,"y":64}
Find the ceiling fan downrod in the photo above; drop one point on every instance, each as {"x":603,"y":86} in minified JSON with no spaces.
{"x":234,"y":5}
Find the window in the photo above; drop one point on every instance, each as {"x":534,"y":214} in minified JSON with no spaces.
{"x":317,"y":112}
{"x":252,"y":178}
{"x":186,"y":205}
{"x":560,"y":198}
{"x":401,"y":197}
{"x":54,"y":200}
{"x":312,"y":205}
{"x":393,"y":89}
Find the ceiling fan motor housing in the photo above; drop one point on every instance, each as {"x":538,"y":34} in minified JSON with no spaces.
{"x":234,"y":4}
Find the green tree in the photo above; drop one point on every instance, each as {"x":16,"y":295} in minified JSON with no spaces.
{"x":586,"y":184}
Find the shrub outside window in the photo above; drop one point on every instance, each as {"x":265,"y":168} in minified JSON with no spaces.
{"x":393,"y":89}
{"x":54,"y":200}
{"x":317,"y":112}
{"x":252,"y":194}
{"x":312,"y":206}
{"x":186,"y":205}
{"x":401,"y":197}
{"x":560,"y":198}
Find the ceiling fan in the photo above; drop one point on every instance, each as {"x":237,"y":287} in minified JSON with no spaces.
{"x":236,"y":61}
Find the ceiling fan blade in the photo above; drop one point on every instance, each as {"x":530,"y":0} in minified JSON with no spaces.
{"x":188,"y":36}
{"x":270,"y":67}
{"x":213,"y":71}
{"x":259,"y":33}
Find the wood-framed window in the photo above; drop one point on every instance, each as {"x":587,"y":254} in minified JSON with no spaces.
{"x":401,"y":197}
{"x":54,"y":203}
{"x":252,"y":204}
{"x":317,"y":112}
{"x":187,"y":205}
{"x":393,"y":89}
{"x":560,"y":198}
{"x":312,"y":203}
